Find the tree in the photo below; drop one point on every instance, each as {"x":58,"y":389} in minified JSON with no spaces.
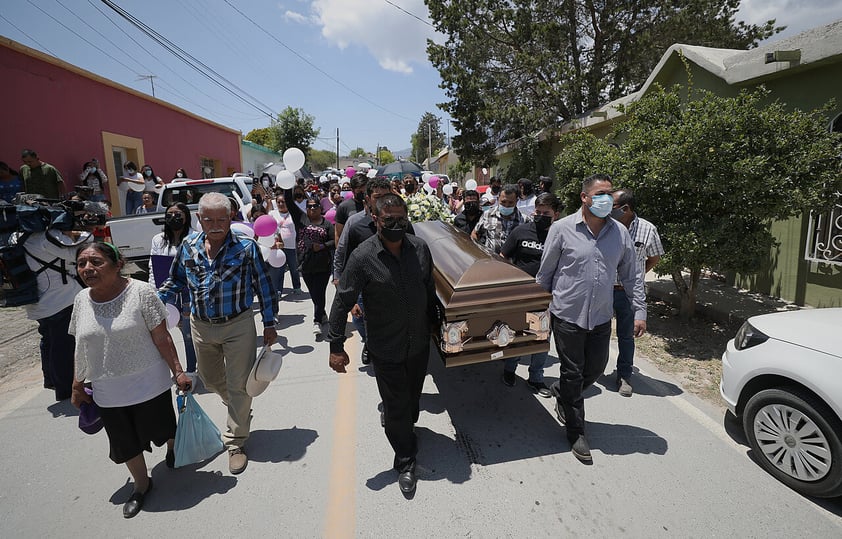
{"x":713,"y":173}
{"x":294,"y":129}
{"x":264,"y":136}
{"x":429,"y":128}
{"x":321,"y":159}
{"x":356,"y":153}
{"x":512,"y":68}
{"x":458,"y":171}
{"x":384,"y":156}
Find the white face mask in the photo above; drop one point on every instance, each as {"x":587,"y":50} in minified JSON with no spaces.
{"x":179,"y":175}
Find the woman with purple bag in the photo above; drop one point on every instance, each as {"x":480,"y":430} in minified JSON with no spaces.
{"x":125,"y":352}
{"x":315,"y":251}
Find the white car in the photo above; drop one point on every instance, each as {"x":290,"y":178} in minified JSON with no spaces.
{"x":782,"y":374}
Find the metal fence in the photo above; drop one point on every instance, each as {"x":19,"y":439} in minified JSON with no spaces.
{"x":824,"y":237}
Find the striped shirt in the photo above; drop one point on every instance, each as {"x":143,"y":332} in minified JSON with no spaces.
{"x":224,"y":286}
{"x":646,"y":241}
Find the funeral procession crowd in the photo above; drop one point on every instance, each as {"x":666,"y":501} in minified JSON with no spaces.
{"x":105,"y":337}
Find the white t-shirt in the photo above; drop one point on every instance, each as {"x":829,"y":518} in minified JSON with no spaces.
{"x":54,"y":293}
{"x":114,"y":347}
{"x":527,"y":206}
{"x":286,"y":228}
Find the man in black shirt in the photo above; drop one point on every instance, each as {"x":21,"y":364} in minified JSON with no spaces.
{"x":351,"y":206}
{"x":524,"y":247}
{"x":468,"y":219}
{"x":393,"y":271}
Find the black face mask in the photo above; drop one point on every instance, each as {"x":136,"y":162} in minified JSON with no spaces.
{"x":360,"y":196}
{"x":471,"y":208}
{"x":174,"y":221}
{"x":495,"y":189}
{"x":394,"y":229}
{"x":542,"y":222}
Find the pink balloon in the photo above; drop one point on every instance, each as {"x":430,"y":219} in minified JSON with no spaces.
{"x":434,"y":182}
{"x":331,"y":215}
{"x":350,"y":171}
{"x":347,"y":194}
{"x":265,"y":225}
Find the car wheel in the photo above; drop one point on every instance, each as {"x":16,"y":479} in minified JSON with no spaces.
{"x":795,"y":437}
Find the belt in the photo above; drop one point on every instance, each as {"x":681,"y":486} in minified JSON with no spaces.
{"x":618,"y":287}
{"x":221,"y":319}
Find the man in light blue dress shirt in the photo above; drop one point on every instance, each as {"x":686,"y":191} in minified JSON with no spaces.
{"x":585,"y":254}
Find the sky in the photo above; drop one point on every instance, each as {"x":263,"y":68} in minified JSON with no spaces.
{"x":359,"y":66}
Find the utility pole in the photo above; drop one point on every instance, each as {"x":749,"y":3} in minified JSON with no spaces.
{"x":429,"y":145}
{"x":337,"y":148}
{"x":151,"y":81}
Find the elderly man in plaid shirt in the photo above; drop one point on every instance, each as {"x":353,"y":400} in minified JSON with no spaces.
{"x":223,"y":272}
{"x":647,"y":246}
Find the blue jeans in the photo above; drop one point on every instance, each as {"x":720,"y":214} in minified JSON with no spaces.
{"x":625,"y":333}
{"x":277,"y":274}
{"x":187,"y":335}
{"x":134,"y":200}
{"x":359,"y":323}
{"x":536,"y":365}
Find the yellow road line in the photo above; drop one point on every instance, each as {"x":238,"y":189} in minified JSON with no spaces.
{"x":342,"y":507}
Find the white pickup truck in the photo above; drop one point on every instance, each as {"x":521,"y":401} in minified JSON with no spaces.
{"x":133,"y":234}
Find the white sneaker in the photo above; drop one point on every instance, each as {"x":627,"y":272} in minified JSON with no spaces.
{"x":317,"y":329}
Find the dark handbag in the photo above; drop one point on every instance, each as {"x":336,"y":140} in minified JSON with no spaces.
{"x":90,"y":420}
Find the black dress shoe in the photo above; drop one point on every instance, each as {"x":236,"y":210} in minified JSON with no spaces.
{"x":559,"y":412}
{"x":581,"y":450}
{"x":364,"y":357}
{"x":135,"y":503}
{"x":407,"y":481}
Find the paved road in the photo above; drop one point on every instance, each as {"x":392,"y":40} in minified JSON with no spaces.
{"x":493,"y":463}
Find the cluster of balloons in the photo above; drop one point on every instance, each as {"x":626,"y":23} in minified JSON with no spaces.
{"x":264,"y":228}
{"x":293,"y":161}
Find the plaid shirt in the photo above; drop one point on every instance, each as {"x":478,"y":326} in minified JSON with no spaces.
{"x":225,"y":286}
{"x":492,"y":230}
{"x":646,"y":241}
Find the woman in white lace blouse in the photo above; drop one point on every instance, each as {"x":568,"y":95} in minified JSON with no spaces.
{"x":124,"y":350}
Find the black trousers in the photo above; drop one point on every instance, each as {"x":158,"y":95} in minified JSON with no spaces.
{"x":317,"y":285}
{"x":582,"y":357}
{"x":400,"y":386}
{"x":57,"y":351}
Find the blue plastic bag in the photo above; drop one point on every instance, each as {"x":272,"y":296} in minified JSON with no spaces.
{"x":196,"y":437}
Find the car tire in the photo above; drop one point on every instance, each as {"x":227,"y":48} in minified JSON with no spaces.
{"x":796,"y":438}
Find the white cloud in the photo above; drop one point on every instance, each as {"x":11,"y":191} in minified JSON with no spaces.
{"x":294,"y":16}
{"x":796,"y":15}
{"x":397,"y":40}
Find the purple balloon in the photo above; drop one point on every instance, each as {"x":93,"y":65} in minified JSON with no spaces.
{"x":331,"y":215}
{"x":265,"y":225}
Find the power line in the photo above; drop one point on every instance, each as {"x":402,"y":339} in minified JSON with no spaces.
{"x":174,"y":72}
{"x":314,"y":66}
{"x":428,"y":23}
{"x":191,"y":60}
{"x":27,"y":35}
{"x":81,"y":37}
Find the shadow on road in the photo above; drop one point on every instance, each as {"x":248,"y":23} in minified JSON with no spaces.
{"x":179,"y":489}
{"x":63,"y":409}
{"x":439,"y":457}
{"x":281,"y":445}
{"x":643,"y":385}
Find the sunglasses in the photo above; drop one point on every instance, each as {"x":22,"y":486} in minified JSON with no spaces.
{"x":309,"y":207}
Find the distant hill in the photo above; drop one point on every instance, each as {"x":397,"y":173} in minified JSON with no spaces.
{"x":402,"y":153}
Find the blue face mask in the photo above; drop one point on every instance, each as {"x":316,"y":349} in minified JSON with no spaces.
{"x":601,"y":205}
{"x":504,"y":211}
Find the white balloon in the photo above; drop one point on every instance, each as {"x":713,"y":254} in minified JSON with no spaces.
{"x":266,"y":241}
{"x":285,"y":179}
{"x":276,"y":258}
{"x":364,"y":166}
{"x":173,"y":316}
{"x":447,"y":189}
{"x":242,"y":228}
{"x":426,"y":177}
{"x":264,"y":251}
{"x":371,"y":173}
{"x":429,"y":189}
{"x":293,"y":160}
{"x":471,"y":185}
{"x":484,"y":171}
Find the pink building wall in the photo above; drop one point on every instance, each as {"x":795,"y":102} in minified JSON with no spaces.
{"x":61,"y":112}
